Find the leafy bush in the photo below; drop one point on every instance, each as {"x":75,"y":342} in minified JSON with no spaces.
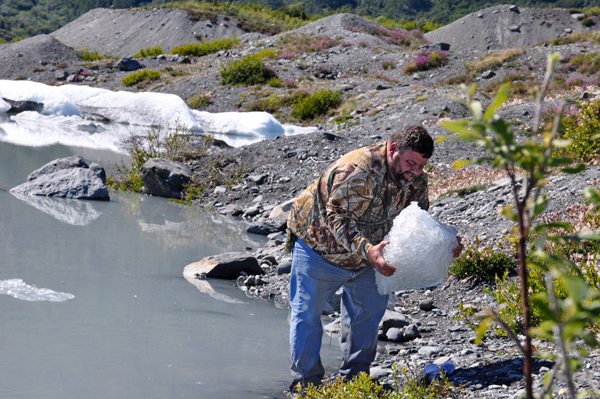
{"x":87,"y":55}
{"x":199,"y":101}
{"x":149,"y":52}
{"x":250,"y":70}
{"x":316,"y":104}
{"x":205,"y":48}
{"x":482,"y":263}
{"x":427,"y":59}
{"x":587,"y":22}
{"x":582,"y":127}
{"x":140,"y":76}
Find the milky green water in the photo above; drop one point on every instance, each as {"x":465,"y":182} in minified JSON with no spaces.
{"x":135,"y":327}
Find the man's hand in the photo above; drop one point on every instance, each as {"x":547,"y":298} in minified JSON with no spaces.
{"x":376,"y":259}
{"x":458,"y":250}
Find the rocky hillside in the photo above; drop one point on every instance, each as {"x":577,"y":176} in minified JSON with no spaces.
{"x":370,"y":67}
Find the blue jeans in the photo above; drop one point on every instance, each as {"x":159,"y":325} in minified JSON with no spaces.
{"x":313,"y":280}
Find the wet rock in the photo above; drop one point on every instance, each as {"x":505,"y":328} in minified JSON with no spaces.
{"x":76,"y":183}
{"x":488,"y":74}
{"x":165,"y":178}
{"x":228,"y":265}
{"x":285,"y":266}
{"x":231,"y":209}
{"x":72,"y":162}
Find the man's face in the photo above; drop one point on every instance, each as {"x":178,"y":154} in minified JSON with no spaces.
{"x":405,"y":167}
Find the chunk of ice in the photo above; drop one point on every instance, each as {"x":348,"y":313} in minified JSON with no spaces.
{"x":421,"y":249}
{"x":19,"y":289}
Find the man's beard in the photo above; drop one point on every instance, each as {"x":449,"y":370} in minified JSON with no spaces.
{"x":403,"y":181}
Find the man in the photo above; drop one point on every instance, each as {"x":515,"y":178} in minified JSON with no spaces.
{"x":339,"y":223}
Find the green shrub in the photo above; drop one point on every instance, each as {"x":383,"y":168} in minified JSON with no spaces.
{"x":250,"y":70}
{"x":485,"y":263}
{"x":582,"y":128}
{"x":205,"y":48}
{"x":140,"y":76}
{"x":199,"y":101}
{"x":316,"y":104}
{"x":275,"y":82}
{"x":587,"y":22}
{"x":149,"y":52}
{"x":87,"y":55}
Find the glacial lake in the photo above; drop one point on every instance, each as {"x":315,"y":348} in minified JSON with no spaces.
{"x":134,"y":327}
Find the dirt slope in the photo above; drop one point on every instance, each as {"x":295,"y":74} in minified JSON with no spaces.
{"x":125,"y":32}
{"x":19,"y":59}
{"x":500,"y":27}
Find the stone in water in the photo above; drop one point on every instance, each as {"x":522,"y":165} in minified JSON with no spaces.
{"x":421,"y":249}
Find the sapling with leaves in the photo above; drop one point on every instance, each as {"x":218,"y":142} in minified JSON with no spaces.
{"x":565,"y":318}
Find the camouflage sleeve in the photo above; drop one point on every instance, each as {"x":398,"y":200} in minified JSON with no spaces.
{"x":422,"y":196}
{"x":350,"y":196}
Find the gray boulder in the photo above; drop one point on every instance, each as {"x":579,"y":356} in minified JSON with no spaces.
{"x":76,"y":183}
{"x":228,"y":266}
{"x":72,"y":162}
{"x":164,"y":178}
{"x":128,"y":64}
{"x":266,"y":227}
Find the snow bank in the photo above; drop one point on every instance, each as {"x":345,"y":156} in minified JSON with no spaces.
{"x":241,"y":128}
{"x":54,"y":102}
{"x":4,"y":106}
{"x":61,"y":119}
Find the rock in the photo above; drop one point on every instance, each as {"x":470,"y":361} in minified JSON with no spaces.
{"x":220,"y":190}
{"x":165,"y":178}
{"x":411,"y":332}
{"x":429,"y":350}
{"x":128,"y":64}
{"x":259,"y":179}
{"x":184,"y":60}
{"x":231,"y":209}
{"x":393,"y":319}
{"x":514,"y":8}
{"x":76,"y":183}
{"x":228,"y":266}
{"x":251,"y":211}
{"x":488,"y":74}
{"x":515,"y":28}
{"x":281,"y":211}
{"x":265,"y":227}
{"x":395,"y":334}
{"x":60,"y":75}
{"x":568,"y":30}
{"x":330,"y":136}
{"x":426,"y":305}
{"x":22,"y":106}
{"x":345,"y":87}
{"x":378,"y":372}
{"x":72,"y":162}
{"x":436,"y":46}
{"x":284,"y":267}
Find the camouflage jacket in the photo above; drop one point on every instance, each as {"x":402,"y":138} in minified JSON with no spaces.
{"x":352,"y":206}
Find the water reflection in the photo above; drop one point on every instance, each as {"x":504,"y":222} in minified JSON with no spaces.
{"x":71,"y":211}
{"x":190,"y":274}
{"x":178,"y":225}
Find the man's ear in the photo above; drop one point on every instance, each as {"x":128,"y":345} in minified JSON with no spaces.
{"x":393,"y":147}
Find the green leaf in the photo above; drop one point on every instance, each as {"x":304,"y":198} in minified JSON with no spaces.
{"x":483,"y":328}
{"x":500,"y":98}
{"x":462,"y":127}
{"x":476,"y":110}
{"x":592,"y":195}
{"x":441,"y":139}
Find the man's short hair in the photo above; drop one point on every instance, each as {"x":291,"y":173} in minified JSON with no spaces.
{"x":414,"y":138}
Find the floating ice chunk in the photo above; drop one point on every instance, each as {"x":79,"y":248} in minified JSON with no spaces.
{"x":421,"y":249}
{"x":54,"y":102}
{"x":19,"y":289}
{"x":4,"y":106}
